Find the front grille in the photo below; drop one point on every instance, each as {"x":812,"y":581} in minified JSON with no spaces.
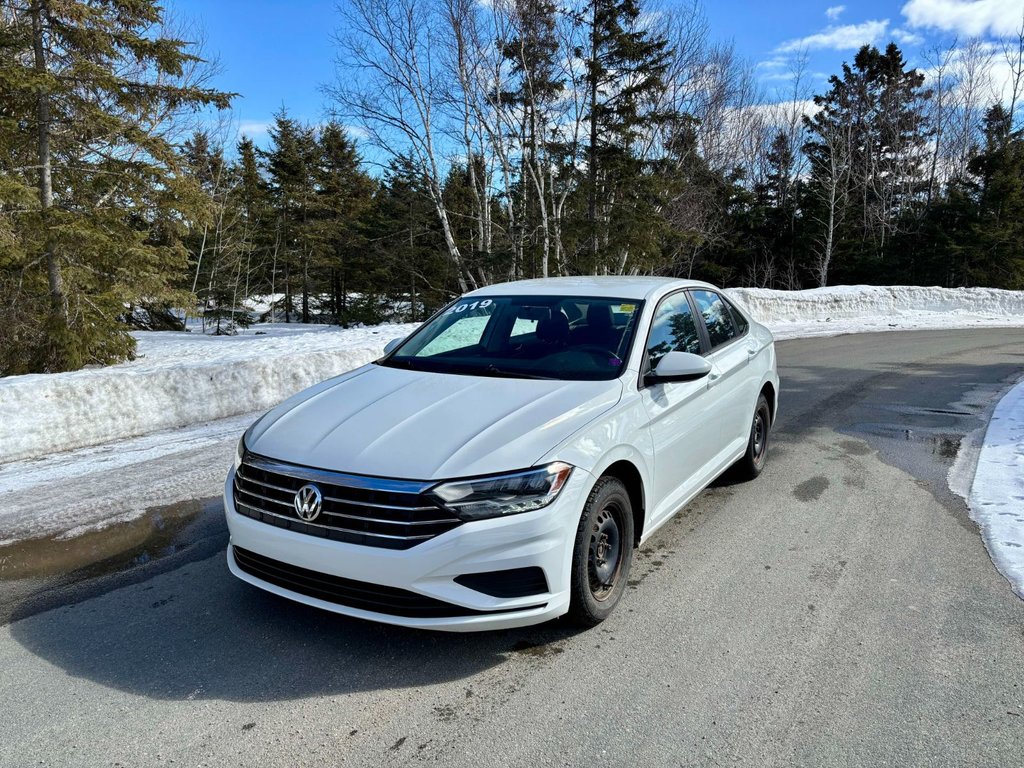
{"x":351,"y":593}
{"x":372,"y":511}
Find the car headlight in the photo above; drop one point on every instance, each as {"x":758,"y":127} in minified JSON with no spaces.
{"x":501,"y":495}
{"x":239,"y":451}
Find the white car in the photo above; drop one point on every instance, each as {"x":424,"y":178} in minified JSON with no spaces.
{"x":498,"y":467}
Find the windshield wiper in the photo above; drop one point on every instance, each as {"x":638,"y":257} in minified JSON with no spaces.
{"x":496,"y":371}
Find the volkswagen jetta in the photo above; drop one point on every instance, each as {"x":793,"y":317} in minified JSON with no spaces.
{"x":499,"y":466}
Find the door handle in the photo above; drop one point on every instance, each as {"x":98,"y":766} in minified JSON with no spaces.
{"x":751,"y":351}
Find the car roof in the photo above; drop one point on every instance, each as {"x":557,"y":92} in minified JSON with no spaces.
{"x":611,"y":286}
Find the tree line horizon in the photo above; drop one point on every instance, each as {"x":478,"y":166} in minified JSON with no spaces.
{"x":518,"y":139}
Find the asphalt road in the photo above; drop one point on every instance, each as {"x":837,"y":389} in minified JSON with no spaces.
{"x":840,"y":610}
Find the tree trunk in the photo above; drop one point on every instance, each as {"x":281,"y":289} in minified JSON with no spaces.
{"x":592,"y":148}
{"x":58,"y":301}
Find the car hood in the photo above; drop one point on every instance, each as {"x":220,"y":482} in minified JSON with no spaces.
{"x":393,"y":422}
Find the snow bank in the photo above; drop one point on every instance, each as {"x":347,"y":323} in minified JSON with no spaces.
{"x":997,"y":494}
{"x":866,"y":308}
{"x":178,"y":379}
{"x":182,"y":379}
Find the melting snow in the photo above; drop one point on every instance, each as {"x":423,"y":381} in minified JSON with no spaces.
{"x":997,"y":494}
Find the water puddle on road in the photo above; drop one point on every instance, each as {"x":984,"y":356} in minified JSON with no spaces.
{"x":46,"y":567}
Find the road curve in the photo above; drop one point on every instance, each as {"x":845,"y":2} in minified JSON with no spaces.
{"x":840,"y":610}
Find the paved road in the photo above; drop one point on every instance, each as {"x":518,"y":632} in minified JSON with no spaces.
{"x":841,"y":610}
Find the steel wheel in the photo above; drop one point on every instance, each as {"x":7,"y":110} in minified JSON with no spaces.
{"x":602,"y":553}
{"x":759,"y":434}
{"x":753,"y":461}
{"x":605,"y":551}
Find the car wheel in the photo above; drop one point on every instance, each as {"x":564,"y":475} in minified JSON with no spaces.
{"x":603,"y":553}
{"x":753,"y":461}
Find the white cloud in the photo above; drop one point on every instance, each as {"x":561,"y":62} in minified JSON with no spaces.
{"x":906,"y":37}
{"x":966,"y":17}
{"x":834,"y":12}
{"x":254,"y":129}
{"x":843,"y":38}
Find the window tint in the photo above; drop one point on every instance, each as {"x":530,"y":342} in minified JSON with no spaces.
{"x":717,"y":317}
{"x":672,"y":329}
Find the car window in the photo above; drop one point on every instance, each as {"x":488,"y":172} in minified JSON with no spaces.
{"x":738,"y":318}
{"x":548,"y":337}
{"x":672,"y":329}
{"x":717,"y":317}
{"x":465,"y":328}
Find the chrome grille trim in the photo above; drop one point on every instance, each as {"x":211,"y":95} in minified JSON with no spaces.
{"x":379,"y":512}
{"x":334,"y":528}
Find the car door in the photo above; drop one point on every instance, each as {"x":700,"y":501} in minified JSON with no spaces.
{"x":731,"y":378}
{"x":682,"y":422}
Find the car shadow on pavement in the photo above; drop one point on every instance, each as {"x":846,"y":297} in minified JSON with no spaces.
{"x":199,"y":633}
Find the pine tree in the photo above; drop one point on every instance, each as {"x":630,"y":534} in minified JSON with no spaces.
{"x":87,"y":94}
{"x":626,"y":67}
{"x":995,"y":254}
{"x":344,"y":196}
{"x":866,"y":151}
{"x":290,"y":164}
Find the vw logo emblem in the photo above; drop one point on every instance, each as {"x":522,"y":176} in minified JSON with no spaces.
{"x":308,"y":502}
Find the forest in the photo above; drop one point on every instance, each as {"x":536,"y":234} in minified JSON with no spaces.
{"x":469,"y":143}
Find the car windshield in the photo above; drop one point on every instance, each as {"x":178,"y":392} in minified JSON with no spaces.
{"x":542,"y":337}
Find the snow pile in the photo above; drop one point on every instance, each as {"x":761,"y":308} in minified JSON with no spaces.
{"x":178,"y":379}
{"x":997,"y":495}
{"x":865,"y":308}
{"x":182,"y":379}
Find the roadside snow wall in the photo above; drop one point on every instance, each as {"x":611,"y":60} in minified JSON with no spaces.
{"x":178,"y":379}
{"x":187,"y":378}
{"x":864,"y":302}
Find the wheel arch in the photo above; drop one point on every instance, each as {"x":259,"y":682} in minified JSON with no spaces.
{"x":629,"y":475}
{"x":771,"y":395}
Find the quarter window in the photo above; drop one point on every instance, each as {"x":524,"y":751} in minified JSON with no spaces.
{"x":716,"y":316}
{"x":672,"y":330}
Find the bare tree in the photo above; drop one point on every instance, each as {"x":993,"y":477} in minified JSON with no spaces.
{"x":390,"y":83}
{"x":1013,"y":51}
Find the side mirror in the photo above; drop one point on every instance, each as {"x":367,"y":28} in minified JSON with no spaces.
{"x":678,"y":366}
{"x":390,"y":346}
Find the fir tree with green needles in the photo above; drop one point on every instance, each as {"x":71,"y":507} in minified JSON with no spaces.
{"x":92,"y":189}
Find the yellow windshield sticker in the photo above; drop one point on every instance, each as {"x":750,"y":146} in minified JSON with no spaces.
{"x":627,"y":307}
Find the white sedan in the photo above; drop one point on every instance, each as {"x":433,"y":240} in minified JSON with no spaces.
{"x":498,"y":467}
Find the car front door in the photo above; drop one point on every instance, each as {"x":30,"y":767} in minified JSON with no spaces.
{"x":731,"y":378}
{"x":681,"y":419}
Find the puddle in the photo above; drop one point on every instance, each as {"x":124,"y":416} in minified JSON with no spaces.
{"x":40,"y":574}
{"x":95,"y":553}
{"x":942,"y":444}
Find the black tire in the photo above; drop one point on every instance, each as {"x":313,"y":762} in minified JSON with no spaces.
{"x":753,"y":460}
{"x":603,"y":553}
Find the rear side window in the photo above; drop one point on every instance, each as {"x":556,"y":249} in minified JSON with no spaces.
{"x":673,"y":329}
{"x":738,"y":318}
{"x":717,"y":317}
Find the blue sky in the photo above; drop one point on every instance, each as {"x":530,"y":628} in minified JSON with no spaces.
{"x":277,"y":53}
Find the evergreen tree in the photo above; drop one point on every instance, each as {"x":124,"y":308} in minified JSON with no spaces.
{"x":626,"y":66}
{"x":866,"y":153}
{"x":290,"y":164}
{"x":87,"y":92}
{"x":344,"y":196}
{"x":995,"y":255}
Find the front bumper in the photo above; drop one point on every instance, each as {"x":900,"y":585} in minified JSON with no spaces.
{"x":543,"y":539}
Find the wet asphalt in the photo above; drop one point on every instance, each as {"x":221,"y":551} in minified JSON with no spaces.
{"x":840,"y":610}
